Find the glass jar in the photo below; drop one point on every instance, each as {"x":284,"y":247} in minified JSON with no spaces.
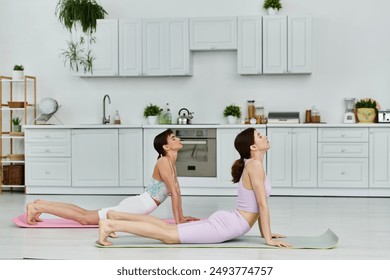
{"x":315,"y":115}
{"x":251,"y":109}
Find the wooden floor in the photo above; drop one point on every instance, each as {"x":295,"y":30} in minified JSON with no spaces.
{"x":362,"y":224}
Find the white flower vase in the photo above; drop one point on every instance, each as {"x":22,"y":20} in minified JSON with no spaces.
{"x":152,"y":120}
{"x":272,"y":11}
{"x":17,"y":75}
{"x":232,"y":119}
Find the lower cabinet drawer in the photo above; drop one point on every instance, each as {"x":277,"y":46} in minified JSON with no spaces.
{"x":48,"y":149}
{"x":343,"y":150}
{"x":48,"y":172}
{"x":343,"y":172}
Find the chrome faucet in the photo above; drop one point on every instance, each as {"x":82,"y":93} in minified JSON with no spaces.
{"x":106,"y":120}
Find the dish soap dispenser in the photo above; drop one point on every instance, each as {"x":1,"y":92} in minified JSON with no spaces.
{"x":117,"y":119}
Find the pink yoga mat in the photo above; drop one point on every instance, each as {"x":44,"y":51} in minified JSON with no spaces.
{"x":57,"y":223}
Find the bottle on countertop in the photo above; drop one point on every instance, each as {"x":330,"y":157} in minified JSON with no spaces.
{"x":168,"y":115}
{"x":161,"y":117}
{"x":117,"y":119}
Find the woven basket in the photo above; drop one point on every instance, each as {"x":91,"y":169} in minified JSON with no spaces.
{"x":13,"y":175}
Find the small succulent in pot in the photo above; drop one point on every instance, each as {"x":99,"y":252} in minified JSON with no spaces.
{"x":366,"y":110}
{"x":272,"y":6}
{"x":16,"y":124}
{"x":151,"y":110}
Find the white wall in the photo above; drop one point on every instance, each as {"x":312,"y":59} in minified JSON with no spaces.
{"x":351,"y":58}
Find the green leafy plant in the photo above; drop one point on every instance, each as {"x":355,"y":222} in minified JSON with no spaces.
{"x":84,"y":13}
{"x":275,"y":4}
{"x":232,"y":110}
{"x":16,"y":121}
{"x":151,"y":110}
{"x":18,"y":67}
{"x":76,"y":56}
{"x":366,"y":103}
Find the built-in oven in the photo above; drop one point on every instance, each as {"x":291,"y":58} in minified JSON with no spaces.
{"x":198,"y":156}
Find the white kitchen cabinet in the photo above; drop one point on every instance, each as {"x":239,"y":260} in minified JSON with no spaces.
{"x":166,"y":49}
{"x":286,"y":44}
{"x":216,"y":33}
{"x":227,"y":154}
{"x":104,"y":50}
{"x":343,"y":157}
{"x":249,"y":46}
{"x":292,"y":158}
{"x":150,"y":154}
{"x":130,"y":47}
{"x":379,"y":158}
{"x":130,"y":158}
{"x":48,"y":162}
{"x":94,"y":157}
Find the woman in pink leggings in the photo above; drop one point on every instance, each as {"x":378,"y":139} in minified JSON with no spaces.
{"x":253,"y":190}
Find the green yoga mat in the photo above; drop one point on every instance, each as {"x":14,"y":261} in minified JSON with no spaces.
{"x":326,"y":240}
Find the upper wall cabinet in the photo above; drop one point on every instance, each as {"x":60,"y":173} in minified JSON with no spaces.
{"x":104,"y":50}
{"x":130,"y":47}
{"x":217,"y":33}
{"x":286,"y":44}
{"x":249,"y":47}
{"x":166,"y":49}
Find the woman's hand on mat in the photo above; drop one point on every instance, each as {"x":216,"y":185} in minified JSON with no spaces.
{"x":279,"y":243}
{"x":277,"y":235}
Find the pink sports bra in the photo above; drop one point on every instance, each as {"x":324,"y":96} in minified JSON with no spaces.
{"x":246,"y":199}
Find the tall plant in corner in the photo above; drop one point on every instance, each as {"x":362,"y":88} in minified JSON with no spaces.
{"x":79,"y":18}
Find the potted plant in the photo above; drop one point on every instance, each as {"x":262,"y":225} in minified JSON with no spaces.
{"x":16,"y":124}
{"x":232,"y":113}
{"x":82,"y":14}
{"x":151,"y":112}
{"x":366,"y":110}
{"x":18,"y":72}
{"x":272,"y":6}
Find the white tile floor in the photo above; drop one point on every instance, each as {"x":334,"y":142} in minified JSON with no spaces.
{"x":362,"y":224}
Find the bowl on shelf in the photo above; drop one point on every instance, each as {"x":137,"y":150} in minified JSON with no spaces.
{"x":16,"y":104}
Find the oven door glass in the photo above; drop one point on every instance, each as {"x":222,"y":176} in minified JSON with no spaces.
{"x":197,"y":158}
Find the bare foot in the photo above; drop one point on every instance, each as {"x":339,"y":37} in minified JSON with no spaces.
{"x":104,"y":232}
{"x":32,"y":214}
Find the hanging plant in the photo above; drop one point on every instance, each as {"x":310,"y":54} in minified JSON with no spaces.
{"x":86,"y":12}
{"x":79,"y":13}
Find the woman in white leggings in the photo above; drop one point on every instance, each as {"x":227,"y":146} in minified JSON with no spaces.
{"x":163,"y":183}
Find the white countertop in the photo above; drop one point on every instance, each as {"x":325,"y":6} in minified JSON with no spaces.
{"x":145,"y":126}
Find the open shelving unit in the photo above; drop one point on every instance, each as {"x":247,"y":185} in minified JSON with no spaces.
{"x":24,"y":91}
